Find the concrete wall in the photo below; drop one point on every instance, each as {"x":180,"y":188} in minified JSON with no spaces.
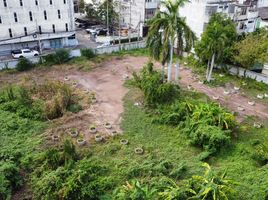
{"x":250,"y":74}
{"x":76,"y":53}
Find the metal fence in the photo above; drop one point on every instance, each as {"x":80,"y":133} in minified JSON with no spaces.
{"x":9,"y":64}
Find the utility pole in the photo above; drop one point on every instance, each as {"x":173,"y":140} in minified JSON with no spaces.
{"x":129,"y":26}
{"x":108,"y":33}
{"x":38,"y":37}
{"x":119,"y":18}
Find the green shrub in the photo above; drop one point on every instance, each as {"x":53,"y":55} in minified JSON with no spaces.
{"x":134,"y":190}
{"x":260,"y":153}
{"x":83,"y":180}
{"x":173,"y":114}
{"x":61,"y":56}
{"x":155,"y":90}
{"x":88,"y":53}
{"x":9,"y":178}
{"x":74,"y":108}
{"x":210,"y":138}
{"x":49,"y":59}
{"x":24,"y":64}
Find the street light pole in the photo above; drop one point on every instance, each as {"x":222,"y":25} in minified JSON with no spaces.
{"x":129,"y":26}
{"x":108,"y":18}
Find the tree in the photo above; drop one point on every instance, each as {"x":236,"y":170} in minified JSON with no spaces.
{"x":81,"y":5}
{"x":92,"y":10}
{"x":98,"y":12}
{"x":216,"y":42}
{"x":167,"y":28}
{"x":253,"y":49}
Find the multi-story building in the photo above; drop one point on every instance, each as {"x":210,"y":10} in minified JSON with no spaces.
{"x":40,"y":24}
{"x":135,"y":13}
{"x":243,"y":12}
{"x":263,"y":14}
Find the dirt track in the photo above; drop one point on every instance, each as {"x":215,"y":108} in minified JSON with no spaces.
{"x":107,"y":81}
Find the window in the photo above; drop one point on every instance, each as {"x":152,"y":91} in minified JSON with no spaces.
{"x":36,"y":2}
{"x":31,"y":16}
{"x":25,"y":31}
{"x":5,"y":3}
{"x":45,"y":15}
{"x":59,"y":14}
{"x":0,"y":20}
{"x":53,"y":27}
{"x":64,"y":1}
{"x":40,"y":29}
{"x":50,"y":1}
{"x":15,"y":17}
{"x":21,"y":3}
{"x":66,"y":27}
{"x":10,"y":32}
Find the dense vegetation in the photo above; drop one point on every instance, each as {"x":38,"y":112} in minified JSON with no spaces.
{"x":178,"y":130}
{"x":24,"y":111}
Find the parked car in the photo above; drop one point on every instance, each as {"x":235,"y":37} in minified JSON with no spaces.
{"x":24,"y":53}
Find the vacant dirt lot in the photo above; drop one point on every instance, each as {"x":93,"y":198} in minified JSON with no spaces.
{"x":106,"y":82}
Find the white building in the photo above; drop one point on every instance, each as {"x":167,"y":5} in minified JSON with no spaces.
{"x":198,"y":13}
{"x":135,"y":13}
{"x":263,"y":13}
{"x":36,"y":24}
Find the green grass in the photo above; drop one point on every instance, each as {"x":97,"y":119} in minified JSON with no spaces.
{"x":251,"y":89}
{"x":19,"y":135}
{"x":165,"y":144}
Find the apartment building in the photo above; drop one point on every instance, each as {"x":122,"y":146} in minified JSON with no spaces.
{"x":243,"y":12}
{"x":263,"y":14}
{"x":135,"y":13}
{"x":38,"y":24}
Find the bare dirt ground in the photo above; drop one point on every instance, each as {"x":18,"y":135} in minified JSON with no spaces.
{"x":106,"y":82}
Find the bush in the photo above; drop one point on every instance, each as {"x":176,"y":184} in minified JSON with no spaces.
{"x":260,"y":153}
{"x":9,"y":179}
{"x":155,"y":90}
{"x":88,"y":53}
{"x":210,"y":138}
{"x":83,"y":180}
{"x":24,"y":64}
{"x":75,"y":108}
{"x":61,"y":56}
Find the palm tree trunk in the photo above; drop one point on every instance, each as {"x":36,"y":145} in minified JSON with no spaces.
{"x":170,"y":61}
{"x":177,"y":71}
{"x":211,"y":67}
{"x":208,"y":67}
{"x":163,"y":72}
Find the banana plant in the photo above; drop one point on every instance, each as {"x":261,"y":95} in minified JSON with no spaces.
{"x":211,"y":186}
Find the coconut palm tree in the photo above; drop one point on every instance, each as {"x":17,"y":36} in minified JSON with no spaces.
{"x":167,"y":28}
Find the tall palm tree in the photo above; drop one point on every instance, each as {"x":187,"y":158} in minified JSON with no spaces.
{"x":167,"y":28}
